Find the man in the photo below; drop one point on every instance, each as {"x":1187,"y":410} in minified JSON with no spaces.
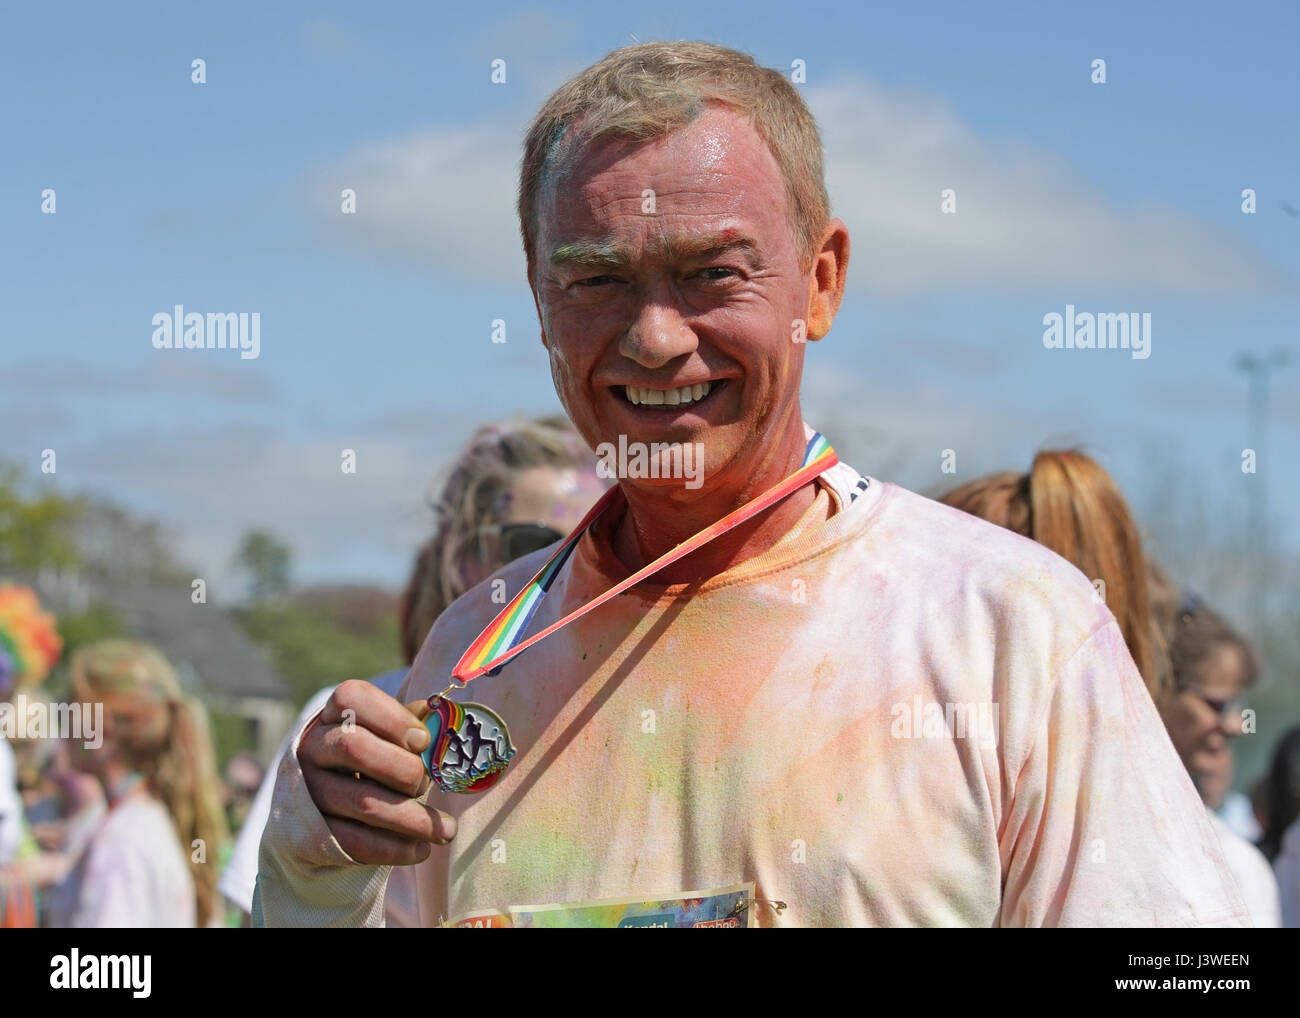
{"x":857,"y":707}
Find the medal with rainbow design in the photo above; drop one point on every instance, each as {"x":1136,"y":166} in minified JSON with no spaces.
{"x":470,"y":745}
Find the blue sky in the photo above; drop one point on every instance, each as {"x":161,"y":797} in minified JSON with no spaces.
{"x":224,"y":197}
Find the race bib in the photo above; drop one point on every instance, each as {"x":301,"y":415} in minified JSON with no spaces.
{"x":727,"y":908}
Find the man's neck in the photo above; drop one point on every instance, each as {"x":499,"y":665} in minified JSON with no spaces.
{"x":659,"y":518}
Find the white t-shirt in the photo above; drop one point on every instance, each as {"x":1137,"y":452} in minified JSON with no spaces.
{"x":1239,"y":814}
{"x":240,"y":875}
{"x":1252,"y":873}
{"x":899,"y":715}
{"x":134,"y":873}
{"x":11,"y":804}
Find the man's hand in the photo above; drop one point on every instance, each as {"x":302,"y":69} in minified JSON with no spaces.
{"x":361,"y":761}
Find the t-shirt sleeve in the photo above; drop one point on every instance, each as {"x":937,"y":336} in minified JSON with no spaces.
{"x":304,"y":878}
{"x":1104,"y":827}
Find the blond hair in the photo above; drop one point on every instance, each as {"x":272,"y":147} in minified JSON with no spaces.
{"x":471,"y":499}
{"x":640,"y":93}
{"x":1068,"y":503}
{"x":163,"y":735}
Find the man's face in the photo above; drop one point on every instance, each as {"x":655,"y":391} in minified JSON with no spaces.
{"x":1202,"y":718}
{"x":671,"y":264}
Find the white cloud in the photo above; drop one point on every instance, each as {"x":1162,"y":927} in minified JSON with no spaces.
{"x":1025,"y":221}
{"x":439,"y":198}
{"x":443,"y":198}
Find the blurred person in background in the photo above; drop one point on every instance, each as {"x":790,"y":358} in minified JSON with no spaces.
{"x":65,"y":809}
{"x":1280,"y":792}
{"x":240,"y":780}
{"x":1214,"y":772}
{"x":29,"y":647}
{"x":515,"y":488}
{"x":152,"y":862}
{"x":1281,"y":841}
{"x":1212,"y":666}
{"x":1069,"y":503}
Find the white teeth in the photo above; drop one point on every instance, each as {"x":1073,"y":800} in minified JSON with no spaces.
{"x":640,"y":396}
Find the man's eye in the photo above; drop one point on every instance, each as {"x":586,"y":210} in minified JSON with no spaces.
{"x":717,"y":268}
{"x":593,"y":281}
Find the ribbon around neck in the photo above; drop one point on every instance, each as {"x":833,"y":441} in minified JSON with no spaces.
{"x":503,"y":637}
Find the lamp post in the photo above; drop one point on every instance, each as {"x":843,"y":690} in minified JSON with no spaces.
{"x":1258,"y":370}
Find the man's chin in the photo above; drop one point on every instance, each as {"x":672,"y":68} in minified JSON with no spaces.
{"x":660,"y":469}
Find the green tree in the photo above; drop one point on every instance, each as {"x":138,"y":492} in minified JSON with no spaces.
{"x":266,"y":560}
{"x":35,"y":531}
{"x":310,"y":649}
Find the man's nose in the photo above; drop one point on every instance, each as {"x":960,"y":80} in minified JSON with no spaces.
{"x":658,"y":335}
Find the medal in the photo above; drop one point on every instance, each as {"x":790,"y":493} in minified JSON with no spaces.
{"x":470,"y":745}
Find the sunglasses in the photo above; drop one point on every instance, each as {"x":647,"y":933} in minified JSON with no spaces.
{"x":1224,"y":710}
{"x":520,"y":539}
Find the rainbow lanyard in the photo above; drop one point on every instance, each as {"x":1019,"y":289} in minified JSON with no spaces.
{"x":503,"y":638}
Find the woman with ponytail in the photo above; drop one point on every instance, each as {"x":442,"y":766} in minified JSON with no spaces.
{"x":153,"y":860}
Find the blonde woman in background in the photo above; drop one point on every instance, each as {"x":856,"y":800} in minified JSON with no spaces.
{"x":152,"y":861}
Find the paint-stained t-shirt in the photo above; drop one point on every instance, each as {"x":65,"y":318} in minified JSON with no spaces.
{"x":898,"y":715}
{"x":134,"y":872}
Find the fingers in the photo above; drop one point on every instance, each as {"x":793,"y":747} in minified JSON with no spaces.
{"x":375,"y":847}
{"x":358,"y":750}
{"x":361,"y":764}
{"x":367,"y":705}
{"x":347,"y":798}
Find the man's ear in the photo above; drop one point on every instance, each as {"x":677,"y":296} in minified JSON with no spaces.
{"x":827,"y":279}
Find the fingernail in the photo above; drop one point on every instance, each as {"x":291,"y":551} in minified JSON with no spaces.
{"x":417,"y":739}
{"x":448,"y":825}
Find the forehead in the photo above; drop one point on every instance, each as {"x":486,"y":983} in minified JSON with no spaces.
{"x":551,"y":495}
{"x":714,"y":171}
{"x":1222,"y":674}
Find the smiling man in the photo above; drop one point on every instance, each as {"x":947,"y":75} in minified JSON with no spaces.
{"x":773,"y":727}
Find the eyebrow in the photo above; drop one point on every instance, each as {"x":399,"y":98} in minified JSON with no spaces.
{"x":608,"y":254}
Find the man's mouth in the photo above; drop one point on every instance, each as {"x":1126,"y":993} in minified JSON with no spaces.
{"x":669,"y":399}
